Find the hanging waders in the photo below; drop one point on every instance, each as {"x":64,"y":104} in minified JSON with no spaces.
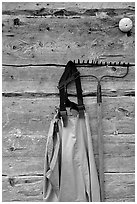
{"x":70,"y":173}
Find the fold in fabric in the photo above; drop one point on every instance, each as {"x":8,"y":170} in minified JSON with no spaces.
{"x":70,"y":173}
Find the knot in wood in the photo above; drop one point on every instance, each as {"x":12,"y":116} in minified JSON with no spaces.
{"x":16,"y":21}
{"x":12,"y":181}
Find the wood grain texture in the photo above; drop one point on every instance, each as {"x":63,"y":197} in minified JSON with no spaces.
{"x":56,"y":32}
{"x":15,"y":166}
{"x":22,"y":189}
{"x":59,"y":38}
{"x":17,"y":144}
{"x":45,"y":80}
{"x":25,"y":156}
{"x":32,"y":115}
{"x":29,"y":188}
{"x":73,"y":5}
{"x":26,"y":123}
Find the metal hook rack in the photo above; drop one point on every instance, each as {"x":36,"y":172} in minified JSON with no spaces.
{"x":99,"y":93}
{"x":96,"y":63}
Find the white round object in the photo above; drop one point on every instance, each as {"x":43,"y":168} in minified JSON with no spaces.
{"x":125,"y":24}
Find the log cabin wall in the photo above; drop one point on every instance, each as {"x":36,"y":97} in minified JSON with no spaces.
{"x":34,"y":33}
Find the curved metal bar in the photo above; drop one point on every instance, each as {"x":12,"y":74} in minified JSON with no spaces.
{"x":127,"y":71}
{"x":73,"y":78}
{"x":90,"y":75}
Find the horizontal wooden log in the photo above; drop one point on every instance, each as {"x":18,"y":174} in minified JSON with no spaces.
{"x":45,"y":80}
{"x":25,"y":155}
{"x":22,"y":6}
{"x":17,"y":144}
{"x":43,"y":73}
{"x":118,"y":188}
{"x":19,"y":165}
{"x":32,"y":116}
{"x":15,"y":166}
{"x":58,"y":40}
{"x":119,"y":150}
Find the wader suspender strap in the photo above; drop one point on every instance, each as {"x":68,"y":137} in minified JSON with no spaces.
{"x":81,"y":106}
{"x":63,"y":111}
{"x":70,"y":71}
